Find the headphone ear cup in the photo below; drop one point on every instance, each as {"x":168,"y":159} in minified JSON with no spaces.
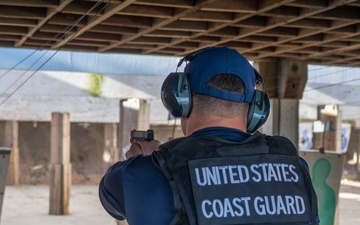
{"x":259,"y":111}
{"x":176,"y":94}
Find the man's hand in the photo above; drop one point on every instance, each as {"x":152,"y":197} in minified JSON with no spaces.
{"x":141,"y":146}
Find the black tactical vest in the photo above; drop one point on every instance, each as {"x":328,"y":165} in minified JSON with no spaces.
{"x":258,"y":181}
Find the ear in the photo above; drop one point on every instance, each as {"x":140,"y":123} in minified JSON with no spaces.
{"x":176,"y":94}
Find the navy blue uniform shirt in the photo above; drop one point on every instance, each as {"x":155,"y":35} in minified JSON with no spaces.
{"x":137,"y":189}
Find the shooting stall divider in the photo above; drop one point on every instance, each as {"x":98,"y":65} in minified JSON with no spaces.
{"x":326,"y":172}
{"x":4,"y":165}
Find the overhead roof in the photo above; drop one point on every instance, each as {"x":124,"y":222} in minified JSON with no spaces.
{"x":321,"y":32}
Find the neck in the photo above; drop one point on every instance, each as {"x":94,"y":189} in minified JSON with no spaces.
{"x":195,"y":123}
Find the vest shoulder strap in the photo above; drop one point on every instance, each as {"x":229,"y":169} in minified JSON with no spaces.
{"x":281,"y":145}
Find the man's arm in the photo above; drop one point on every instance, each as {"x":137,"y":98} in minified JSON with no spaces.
{"x":111,"y":191}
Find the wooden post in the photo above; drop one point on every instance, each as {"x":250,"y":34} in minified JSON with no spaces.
{"x":4,"y":162}
{"x":132,"y":116}
{"x":144,"y":115}
{"x":11,"y":141}
{"x":60,"y":166}
{"x":111,"y":154}
{"x":331,"y":118}
{"x":128,"y":122}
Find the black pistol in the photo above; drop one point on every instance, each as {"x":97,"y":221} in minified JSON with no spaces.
{"x":142,"y":134}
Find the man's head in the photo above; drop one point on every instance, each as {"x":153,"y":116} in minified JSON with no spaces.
{"x":217,"y":82}
{"x":210,"y":62}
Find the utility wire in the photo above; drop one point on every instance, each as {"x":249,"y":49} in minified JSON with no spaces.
{"x":28,"y":78}
{"x":327,"y":74}
{"x":320,"y":68}
{"x":313,"y":89}
{"x":314,"y":77}
{"x":331,"y":85}
{"x":69,"y":28}
{"x":21,"y":75}
{"x":12,"y":68}
{"x":74,"y":24}
{"x":65,"y":31}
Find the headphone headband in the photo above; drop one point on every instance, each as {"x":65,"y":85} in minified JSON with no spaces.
{"x":176,"y":89}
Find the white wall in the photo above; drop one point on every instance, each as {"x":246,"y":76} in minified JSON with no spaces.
{"x":50,"y":91}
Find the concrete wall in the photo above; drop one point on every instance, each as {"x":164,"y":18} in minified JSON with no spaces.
{"x":34,"y":150}
{"x":87,"y":148}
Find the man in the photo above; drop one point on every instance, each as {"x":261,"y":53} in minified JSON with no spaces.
{"x":223,"y":171}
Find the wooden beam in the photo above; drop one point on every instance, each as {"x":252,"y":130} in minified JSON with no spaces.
{"x":187,"y":26}
{"x":283,"y":12}
{"x":340,"y":13}
{"x":169,"y":33}
{"x":86,"y":43}
{"x":84,"y":7}
{"x":309,"y":3}
{"x":310,"y":23}
{"x":18,"y":22}
{"x":161,"y":23}
{"x":8,"y":37}
{"x":226,"y":32}
{"x":22,"y":12}
{"x":209,"y":16}
{"x":253,"y":22}
{"x":114,"y":29}
{"x":109,"y":13}
{"x":49,"y":14}
{"x":151,"y":40}
{"x":128,"y":21}
{"x":66,"y":20}
{"x":147,"y":11}
{"x":13,"y":30}
{"x":242,"y":6}
{"x":93,"y":36}
{"x":168,"y":3}
{"x":32,"y":3}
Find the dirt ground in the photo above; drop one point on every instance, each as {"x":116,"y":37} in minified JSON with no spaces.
{"x":349,"y":203}
{"x":29,"y":205}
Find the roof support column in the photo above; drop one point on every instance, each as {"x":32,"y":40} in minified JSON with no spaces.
{"x":111,"y":154}
{"x":134,"y":114}
{"x":284,"y":83}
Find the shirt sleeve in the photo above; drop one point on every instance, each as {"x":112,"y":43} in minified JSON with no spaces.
{"x":111,"y":192}
{"x":305,"y":164}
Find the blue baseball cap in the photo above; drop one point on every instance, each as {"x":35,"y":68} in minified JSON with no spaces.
{"x":213,"y":61}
